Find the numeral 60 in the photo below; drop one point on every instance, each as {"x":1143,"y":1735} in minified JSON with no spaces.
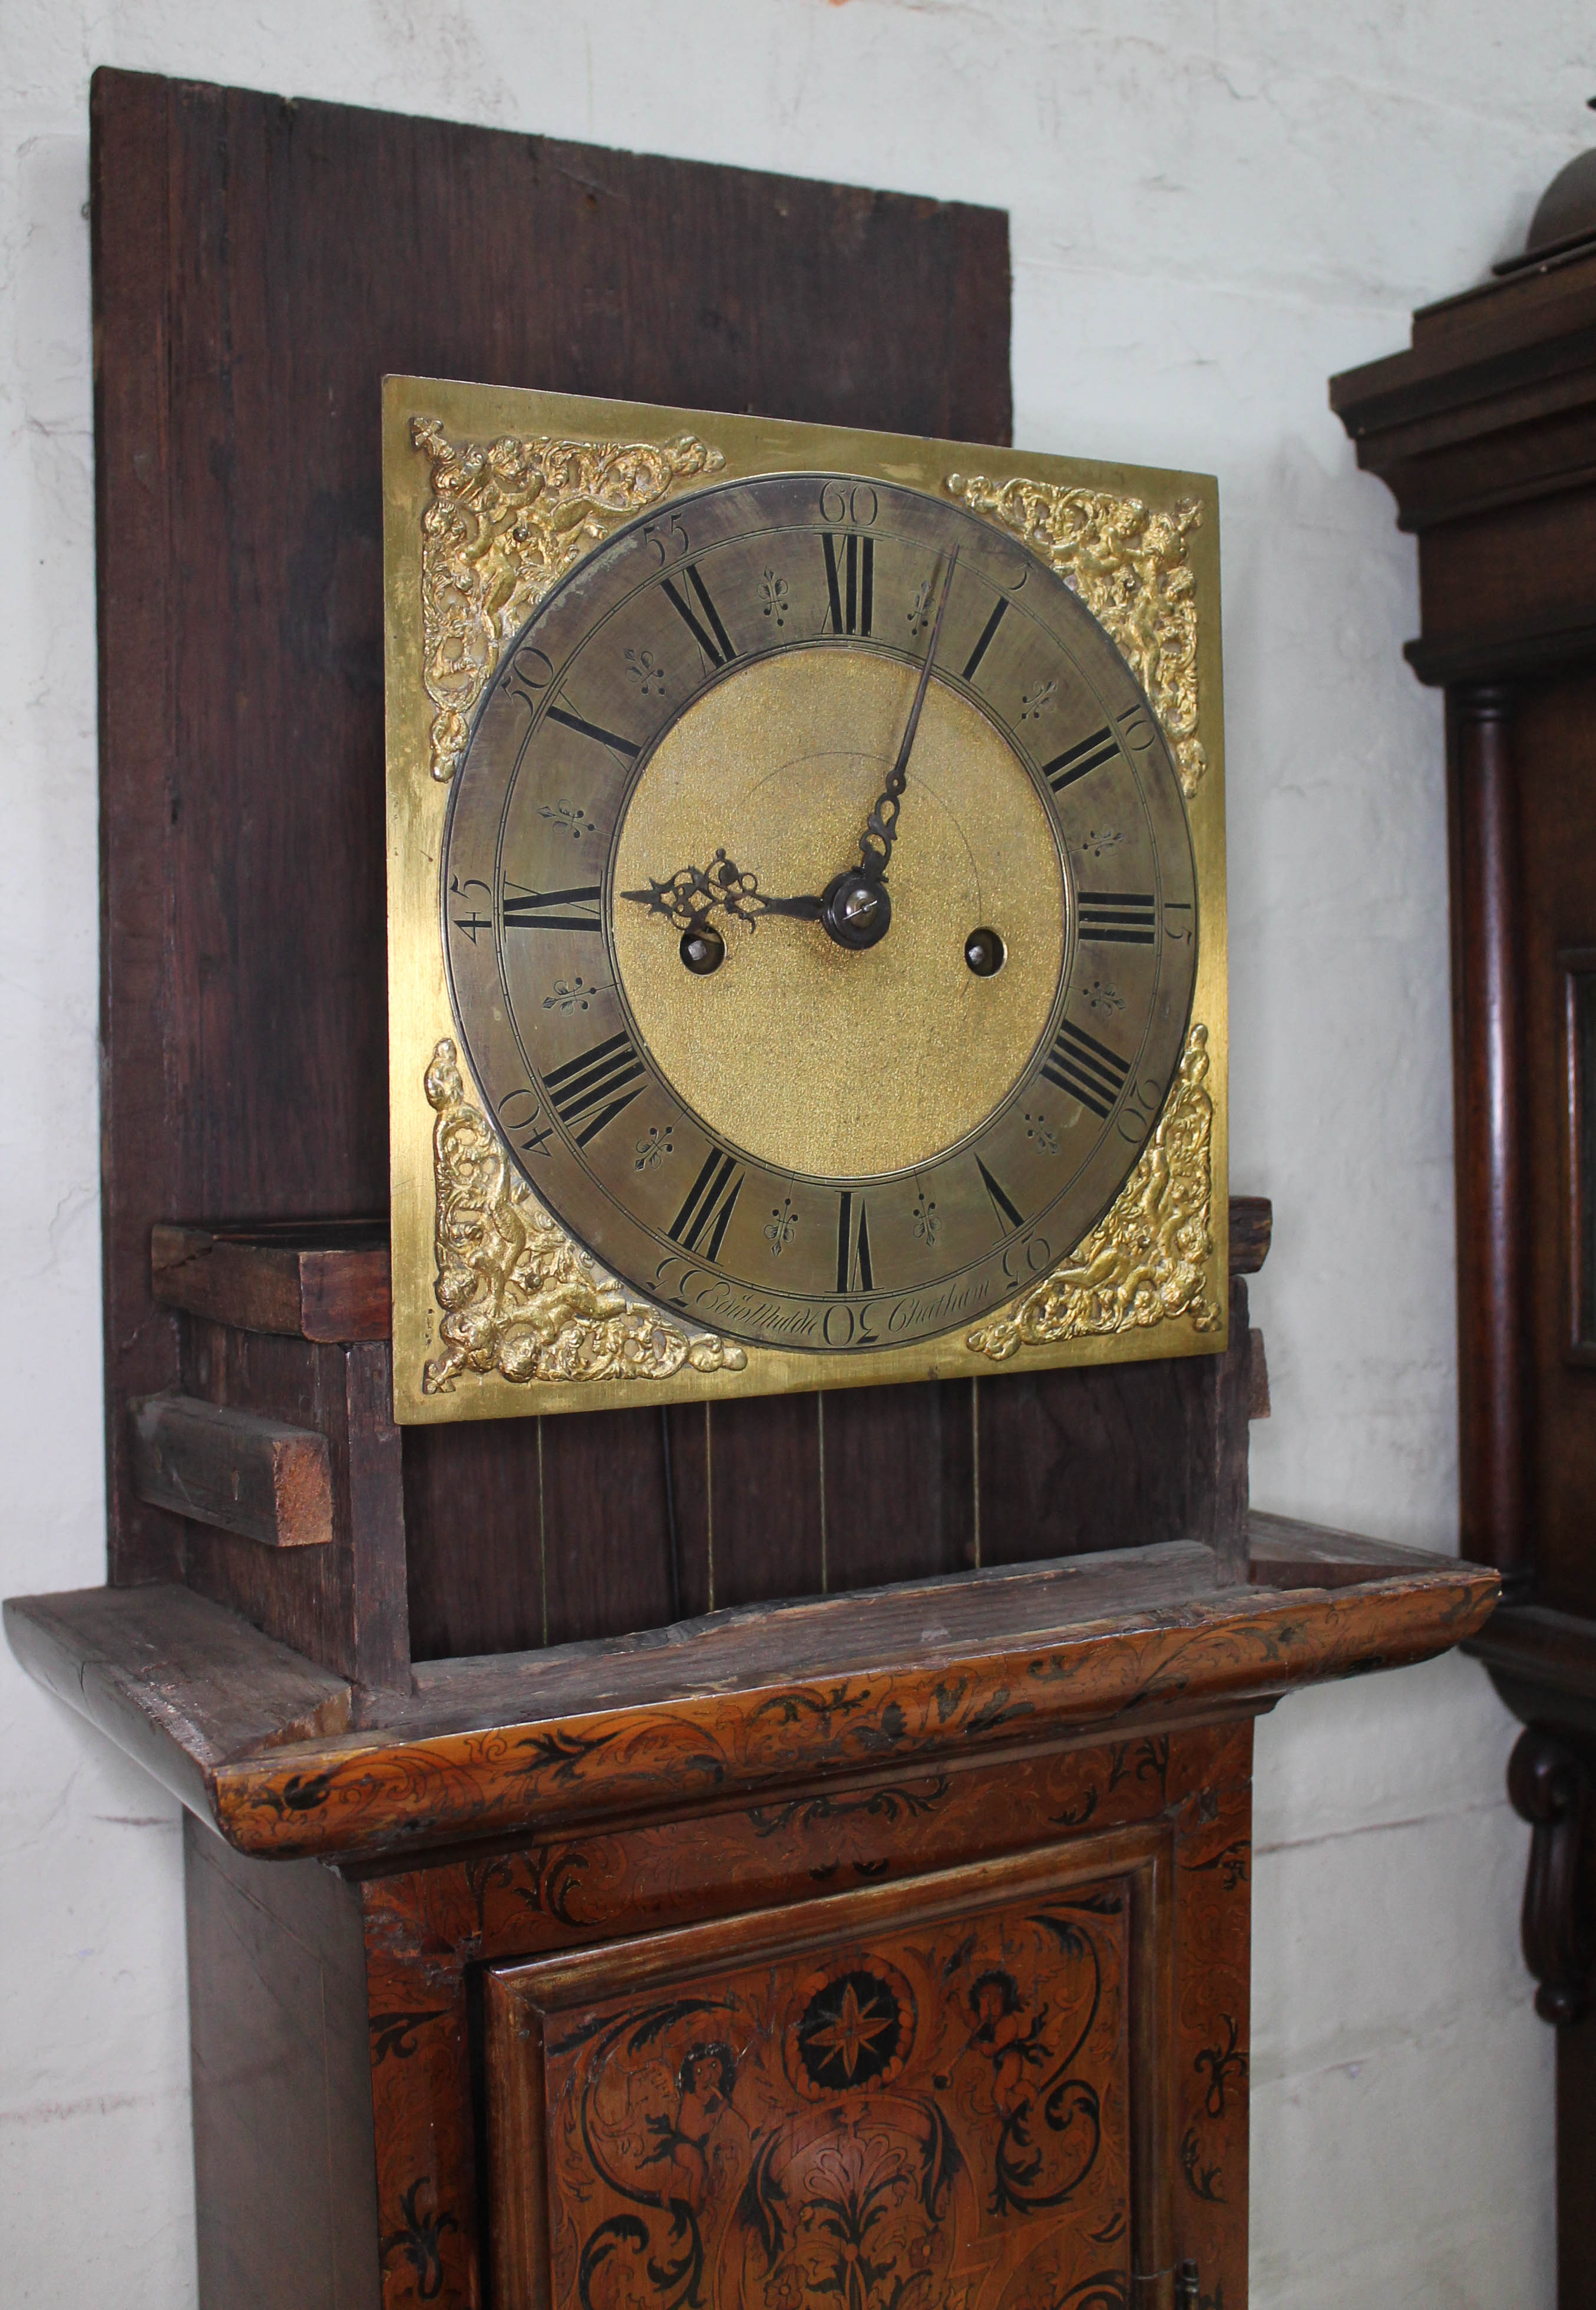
{"x":860,"y":505}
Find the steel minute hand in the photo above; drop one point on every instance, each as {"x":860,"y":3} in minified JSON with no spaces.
{"x":875,"y":846}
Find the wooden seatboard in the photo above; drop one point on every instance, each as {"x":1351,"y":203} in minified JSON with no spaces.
{"x":328,"y":1279}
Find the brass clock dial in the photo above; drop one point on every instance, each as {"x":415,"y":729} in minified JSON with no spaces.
{"x":825,"y":1045}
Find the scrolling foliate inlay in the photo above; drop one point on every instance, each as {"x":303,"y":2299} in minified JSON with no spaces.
{"x":1147,"y":1261}
{"x":1127,"y":560}
{"x":506,"y":521}
{"x":517,"y":1295}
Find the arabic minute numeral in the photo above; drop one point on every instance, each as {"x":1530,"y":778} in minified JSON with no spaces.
{"x":668,"y":538}
{"x":1179,"y":930}
{"x":527,"y":675}
{"x":471,"y":921}
{"x":536,"y":1143}
{"x":1140,"y":1112}
{"x":1136,"y":728}
{"x":856,"y":501}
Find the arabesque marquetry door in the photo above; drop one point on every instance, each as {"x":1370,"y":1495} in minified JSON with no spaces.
{"x":952,"y":2093}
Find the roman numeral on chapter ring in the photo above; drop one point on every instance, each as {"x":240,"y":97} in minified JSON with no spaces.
{"x":853,"y":1246}
{"x":1003,"y":1209}
{"x":1076,"y":762}
{"x":1118,"y":917}
{"x":984,"y":644}
{"x":706,"y":1210}
{"x":1087,"y":1069}
{"x":593,"y":1089}
{"x":707,"y":631}
{"x":852,"y":583}
{"x":593,"y":730}
{"x":536,"y":910}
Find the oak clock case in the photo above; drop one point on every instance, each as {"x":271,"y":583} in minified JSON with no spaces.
{"x":806,"y":915}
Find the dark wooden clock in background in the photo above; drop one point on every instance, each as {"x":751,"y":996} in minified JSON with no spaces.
{"x":1485,"y":432}
{"x":557,"y":1947}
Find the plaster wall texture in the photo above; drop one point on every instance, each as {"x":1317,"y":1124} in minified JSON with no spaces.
{"x":1215,"y":204}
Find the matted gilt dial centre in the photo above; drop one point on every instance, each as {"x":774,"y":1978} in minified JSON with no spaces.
{"x":783,"y":1049}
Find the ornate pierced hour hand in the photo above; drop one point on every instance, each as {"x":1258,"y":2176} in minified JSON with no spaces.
{"x":854,"y":908}
{"x":851,"y":910}
{"x":693,"y":896}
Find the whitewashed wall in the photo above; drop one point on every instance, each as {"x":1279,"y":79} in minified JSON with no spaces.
{"x":1215,"y":204}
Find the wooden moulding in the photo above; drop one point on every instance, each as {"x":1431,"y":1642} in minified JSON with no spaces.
{"x":179,"y":1684}
{"x":1482,"y":432}
{"x":261,"y":1478}
{"x":949,"y":1671}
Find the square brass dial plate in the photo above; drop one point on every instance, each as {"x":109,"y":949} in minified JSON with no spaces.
{"x":661,"y":1129}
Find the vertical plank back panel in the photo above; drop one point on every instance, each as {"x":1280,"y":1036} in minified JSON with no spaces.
{"x":259,"y":266}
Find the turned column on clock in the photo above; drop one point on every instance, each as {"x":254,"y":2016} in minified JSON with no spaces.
{"x":1488,"y":1047}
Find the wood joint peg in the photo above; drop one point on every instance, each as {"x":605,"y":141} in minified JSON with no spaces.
{"x":257,"y":1477}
